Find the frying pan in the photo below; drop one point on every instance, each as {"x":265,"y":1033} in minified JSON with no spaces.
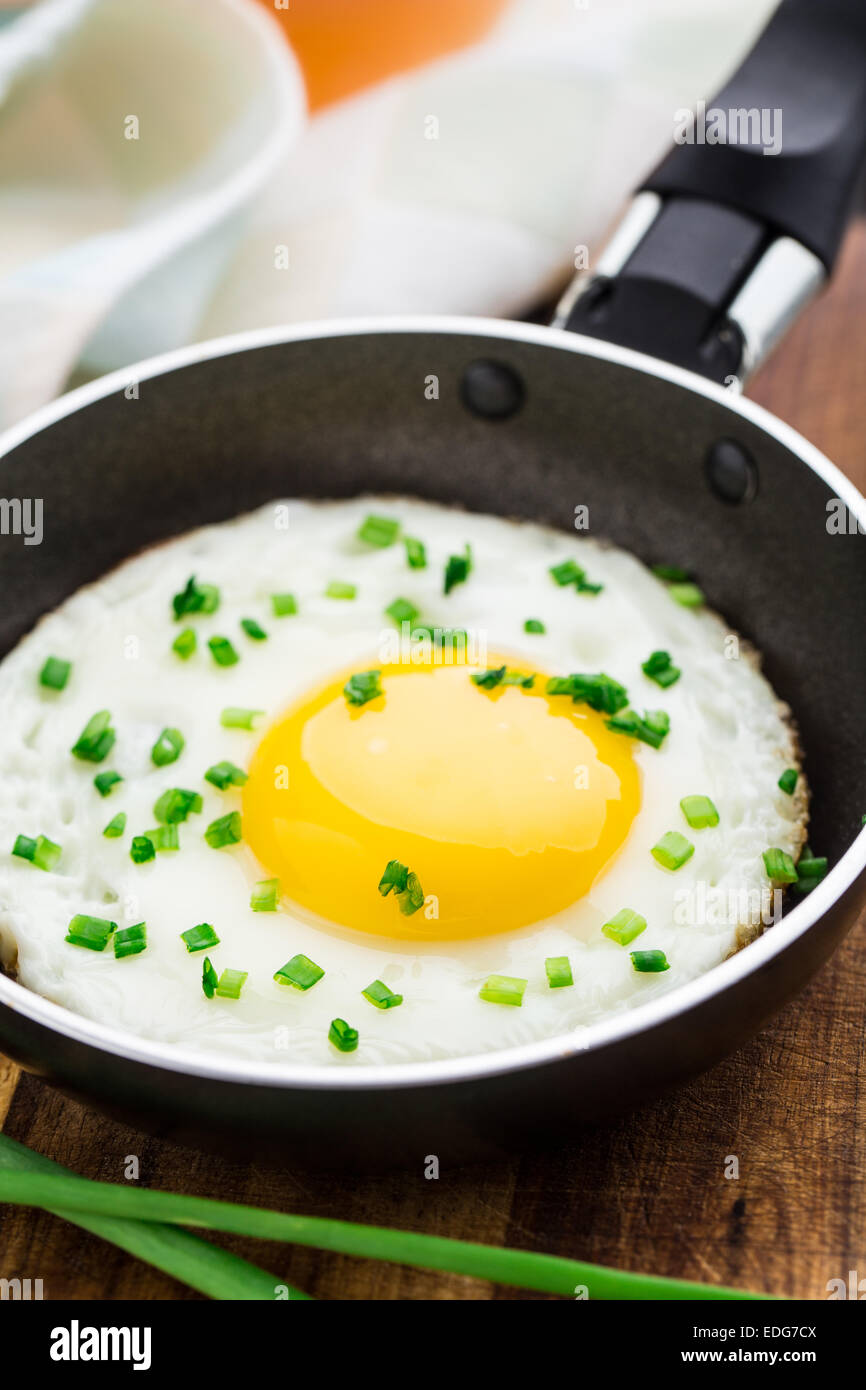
{"x":716,"y":254}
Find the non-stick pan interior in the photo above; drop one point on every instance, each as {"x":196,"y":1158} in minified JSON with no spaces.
{"x":334,"y":416}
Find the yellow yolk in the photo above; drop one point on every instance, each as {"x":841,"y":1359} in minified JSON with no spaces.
{"x":506,"y":804}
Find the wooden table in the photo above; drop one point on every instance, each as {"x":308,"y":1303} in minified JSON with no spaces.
{"x":647,"y":1193}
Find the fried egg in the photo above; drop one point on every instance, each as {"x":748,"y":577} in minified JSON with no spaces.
{"x":404,"y":768}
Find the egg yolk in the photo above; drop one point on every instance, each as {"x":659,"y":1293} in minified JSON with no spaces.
{"x":506,"y":804}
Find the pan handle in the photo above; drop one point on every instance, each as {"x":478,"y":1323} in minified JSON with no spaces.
{"x":741,"y":222}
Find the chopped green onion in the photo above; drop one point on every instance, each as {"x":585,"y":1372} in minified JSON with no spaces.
{"x":344,"y":1038}
{"x":395,"y":877}
{"x":209,"y":979}
{"x":599,"y":691}
{"x":413,"y":898}
{"x":55,"y":673}
{"x":230,"y":984}
{"x":402,"y":610}
{"x":568,"y":572}
{"x":624,"y":926}
{"x":558,"y":970}
{"x":660,"y":668}
{"x":380,"y":531}
{"x":499,"y":675}
{"x":458,"y":569}
{"x":142,"y":849}
{"x":649,"y":962}
{"x":253,"y":629}
{"x":534,"y":625}
{"x":652,"y":728}
{"x":42,"y":852}
{"x":225,"y":774}
{"x":810,"y":871}
{"x":416,"y":554}
{"x":779,"y":866}
{"x":130,"y":941}
{"x":699,"y":811}
{"x":200,"y":938}
{"x":300,"y":972}
{"x":168,"y":747}
{"x":104,"y":781}
{"x":224,"y":831}
{"x":337,"y":589}
{"x":788,"y":780}
{"x":672,"y":573}
{"x":175,"y":805}
{"x":164,"y":837}
{"x":502,"y":989}
{"x":236,"y":718}
{"x":265,"y":895}
{"x":362,"y":687}
{"x":584,"y":587}
{"x":379,"y":994}
{"x":222,"y":651}
{"x":185,"y":643}
{"x":96,"y":740}
{"x":672,"y":850}
{"x":687,"y":595}
{"x":196,"y":598}
{"x":91,"y":932}
{"x":284,"y":605}
{"x":116,"y":826}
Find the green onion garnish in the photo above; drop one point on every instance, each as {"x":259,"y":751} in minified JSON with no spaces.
{"x":688,"y":595}
{"x":810,"y":871}
{"x":499,"y":675}
{"x":284,"y":605}
{"x":407,"y":889}
{"x":558,"y":969}
{"x":300,"y":971}
{"x":42,"y":852}
{"x":55,"y":673}
{"x":130,"y":941}
{"x":649,"y":962}
{"x":380,"y":531}
{"x":661,"y":669}
{"x":253,"y":629}
{"x":196,"y":598}
{"x":209,"y":979}
{"x":416,"y":554}
{"x":265,"y":895}
{"x":379,"y":994}
{"x":699,"y":811}
{"x":402,"y":610}
{"x":337,"y":589}
{"x":672,"y":573}
{"x":344,"y":1038}
{"x":624,"y":926}
{"x":568,"y":572}
{"x":534,"y":625}
{"x":779,"y":866}
{"x":91,"y":932}
{"x":458,"y":569}
{"x":599,"y":691}
{"x":222,"y":651}
{"x":104,"y":781}
{"x":224,"y":775}
{"x":652,"y":728}
{"x":200,"y":938}
{"x":96,"y":740}
{"x":230,"y":984}
{"x":502,"y":989}
{"x":672,"y":850}
{"x":163,"y":837}
{"x":116,"y":826}
{"x":788,"y":780}
{"x":225,"y":831}
{"x":236,"y":718}
{"x":142,"y":849}
{"x":362,"y":687}
{"x":185,"y":643}
{"x":175,"y":805}
{"x":168,"y":747}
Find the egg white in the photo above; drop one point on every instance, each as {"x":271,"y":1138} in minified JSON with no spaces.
{"x":730,"y":739}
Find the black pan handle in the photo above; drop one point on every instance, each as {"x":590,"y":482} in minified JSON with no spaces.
{"x":741,"y":221}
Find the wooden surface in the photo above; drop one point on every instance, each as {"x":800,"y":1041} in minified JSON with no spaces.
{"x":647,"y":1193}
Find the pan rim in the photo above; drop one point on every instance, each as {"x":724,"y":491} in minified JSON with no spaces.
{"x":617,"y":1028}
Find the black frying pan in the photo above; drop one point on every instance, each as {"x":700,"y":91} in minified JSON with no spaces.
{"x":716,"y":254}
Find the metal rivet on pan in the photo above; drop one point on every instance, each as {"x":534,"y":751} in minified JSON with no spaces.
{"x":491,"y":389}
{"x":731,"y":472}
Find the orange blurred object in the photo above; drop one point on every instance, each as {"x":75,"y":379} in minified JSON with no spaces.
{"x":343,"y":45}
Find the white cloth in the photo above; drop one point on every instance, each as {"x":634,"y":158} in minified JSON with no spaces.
{"x":464,"y":186}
